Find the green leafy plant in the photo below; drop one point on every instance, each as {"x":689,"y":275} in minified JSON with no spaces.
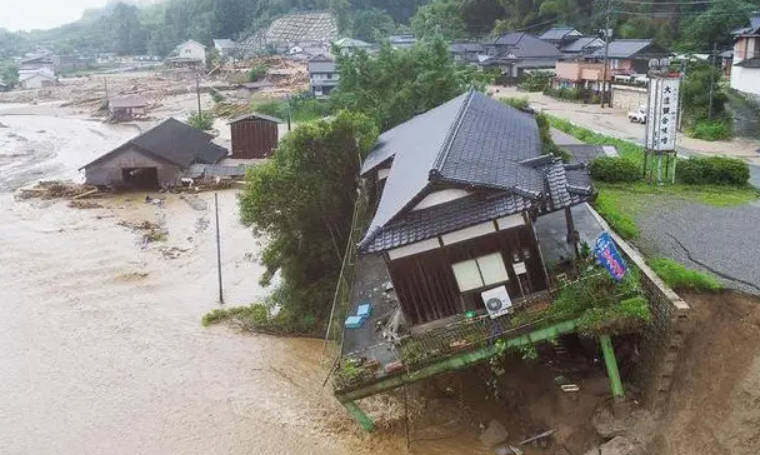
{"x":712,"y":130}
{"x":713,"y":170}
{"x":678,"y":276}
{"x":536,"y":81}
{"x":203,"y":121}
{"x":257,"y":72}
{"x":614,"y":169}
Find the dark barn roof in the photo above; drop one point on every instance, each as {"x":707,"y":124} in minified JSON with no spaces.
{"x":753,"y":62}
{"x":254,"y":115}
{"x":174,"y":142}
{"x":471,"y":142}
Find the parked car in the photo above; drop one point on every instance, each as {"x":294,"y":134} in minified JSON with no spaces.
{"x":638,"y":116}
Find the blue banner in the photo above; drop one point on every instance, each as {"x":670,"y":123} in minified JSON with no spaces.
{"x":608,"y":256}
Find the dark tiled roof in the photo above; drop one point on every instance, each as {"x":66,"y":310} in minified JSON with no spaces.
{"x":175,"y":142}
{"x":524,"y":45}
{"x":626,"y":48}
{"x":416,"y":225}
{"x":753,"y":62}
{"x":583,"y":43}
{"x":460,"y":48}
{"x":558,"y":33}
{"x":472,"y":141}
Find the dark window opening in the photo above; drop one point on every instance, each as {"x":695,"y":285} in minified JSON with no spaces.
{"x":140,"y":177}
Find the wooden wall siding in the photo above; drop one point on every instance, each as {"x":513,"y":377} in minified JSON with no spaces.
{"x":253,"y":138}
{"x":426,"y":286}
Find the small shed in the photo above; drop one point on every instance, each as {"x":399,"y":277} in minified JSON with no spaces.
{"x":127,"y":107}
{"x":253,"y":135}
{"x":154,"y":159}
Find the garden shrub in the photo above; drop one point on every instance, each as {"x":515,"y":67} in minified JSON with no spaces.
{"x":203,"y":121}
{"x":614,"y":169}
{"x":714,"y":170}
{"x":257,"y":72}
{"x":712,"y":130}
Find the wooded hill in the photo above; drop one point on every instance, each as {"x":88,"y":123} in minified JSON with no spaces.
{"x":127,"y":29}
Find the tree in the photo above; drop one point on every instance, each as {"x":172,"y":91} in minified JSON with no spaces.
{"x":367,"y":24}
{"x":441,"y":17}
{"x":398,"y":84}
{"x":302,"y":201}
{"x":714,"y":25}
{"x":696,"y":93}
{"x":8,"y":73}
{"x":128,"y":34}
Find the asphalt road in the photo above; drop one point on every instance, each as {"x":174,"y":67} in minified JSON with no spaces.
{"x":724,"y":241}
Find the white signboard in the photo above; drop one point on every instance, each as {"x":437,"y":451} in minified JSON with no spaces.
{"x":662,"y":113}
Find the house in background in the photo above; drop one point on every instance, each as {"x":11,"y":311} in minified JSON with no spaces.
{"x":39,"y":78}
{"x":561,"y":35}
{"x":127,"y":107}
{"x":323,"y":75}
{"x":348,"y":46}
{"x":402,"y":41}
{"x":467,"y":52}
{"x":190,"y":52}
{"x":580,"y":74}
{"x":71,"y":63}
{"x":226,"y":47}
{"x":37,"y":62}
{"x":516,"y":53}
{"x":154,"y":159}
{"x":745,"y":68}
{"x":584,"y":45}
{"x":254,"y":135}
{"x":629,"y":57}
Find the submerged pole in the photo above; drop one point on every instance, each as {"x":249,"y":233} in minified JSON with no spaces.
{"x":612,"y":367}
{"x":359,"y":415}
{"x":218,"y":248}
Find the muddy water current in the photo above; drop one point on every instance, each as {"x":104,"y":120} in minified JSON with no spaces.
{"x":101,"y":346}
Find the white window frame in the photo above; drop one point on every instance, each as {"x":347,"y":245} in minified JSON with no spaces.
{"x":480,"y":272}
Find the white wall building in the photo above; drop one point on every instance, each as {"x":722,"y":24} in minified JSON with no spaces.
{"x":191,"y":50}
{"x":28,"y":79}
{"x":745,"y":68}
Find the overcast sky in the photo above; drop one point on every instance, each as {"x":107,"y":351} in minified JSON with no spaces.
{"x":42,"y":14}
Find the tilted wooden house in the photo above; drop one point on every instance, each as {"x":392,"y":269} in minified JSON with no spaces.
{"x":156,"y":158}
{"x":459,"y":188}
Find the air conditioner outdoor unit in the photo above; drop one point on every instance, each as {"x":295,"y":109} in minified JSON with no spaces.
{"x":497,"y":301}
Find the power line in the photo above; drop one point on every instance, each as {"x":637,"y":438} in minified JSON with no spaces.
{"x":679,"y":13}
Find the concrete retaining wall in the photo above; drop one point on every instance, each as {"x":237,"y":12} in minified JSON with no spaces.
{"x":661,"y":340}
{"x":628,"y":98}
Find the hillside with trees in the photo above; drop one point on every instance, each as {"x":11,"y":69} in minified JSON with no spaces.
{"x":124,"y":28}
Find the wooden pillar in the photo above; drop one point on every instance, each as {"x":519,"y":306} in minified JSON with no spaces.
{"x":572,"y":236}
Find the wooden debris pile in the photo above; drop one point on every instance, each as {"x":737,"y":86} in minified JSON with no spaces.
{"x":59,"y":190}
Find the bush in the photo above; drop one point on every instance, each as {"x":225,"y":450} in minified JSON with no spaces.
{"x":712,"y":130}
{"x":713,"y":170}
{"x":202,"y":121}
{"x":677,"y":276}
{"x":216,"y":96}
{"x":535,"y":82}
{"x":517,"y":103}
{"x":257,"y":72}
{"x":614,"y":169}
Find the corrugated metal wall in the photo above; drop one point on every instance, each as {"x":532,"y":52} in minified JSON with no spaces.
{"x":253,"y":138}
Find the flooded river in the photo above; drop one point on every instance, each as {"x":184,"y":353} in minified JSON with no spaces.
{"x":102,"y":346}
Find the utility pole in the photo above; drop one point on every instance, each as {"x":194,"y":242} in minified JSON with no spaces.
{"x":198,"y":93}
{"x":289,"y":110}
{"x":218,"y":248}
{"x":712,"y":80}
{"x":606,"y":51}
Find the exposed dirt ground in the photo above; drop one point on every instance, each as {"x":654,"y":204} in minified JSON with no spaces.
{"x":715,"y":406}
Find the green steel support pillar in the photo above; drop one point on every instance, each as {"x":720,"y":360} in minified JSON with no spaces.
{"x":360,"y":416}
{"x":612,"y":368}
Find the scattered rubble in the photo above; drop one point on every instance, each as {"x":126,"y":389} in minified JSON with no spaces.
{"x":79,"y":204}
{"x":494,"y":434}
{"x":152,"y":232}
{"x":54,"y":189}
{"x":619,"y":445}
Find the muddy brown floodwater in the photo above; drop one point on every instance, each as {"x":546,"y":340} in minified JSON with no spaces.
{"x":102,"y":346}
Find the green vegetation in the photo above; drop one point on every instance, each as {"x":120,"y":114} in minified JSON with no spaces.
{"x":713,"y":170}
{"x":703,"y":119}
{"x":258,"y":317}
{"x":517,"y":103}
{"x":303,"y":107}
{"x":537,"y":81}
{"x":8,"y":73}
{"x":626,"y":149}
{"x":398,"y":84}
{"x":302,"y":201}
{"x":567,"y":94}
{"x":610,"y":206}
{"x":258,"y":71}
{"x":439,"y":17}
{"x":203,"y":121}
{"x":614,"y":169}
{"x":678,"y":276}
